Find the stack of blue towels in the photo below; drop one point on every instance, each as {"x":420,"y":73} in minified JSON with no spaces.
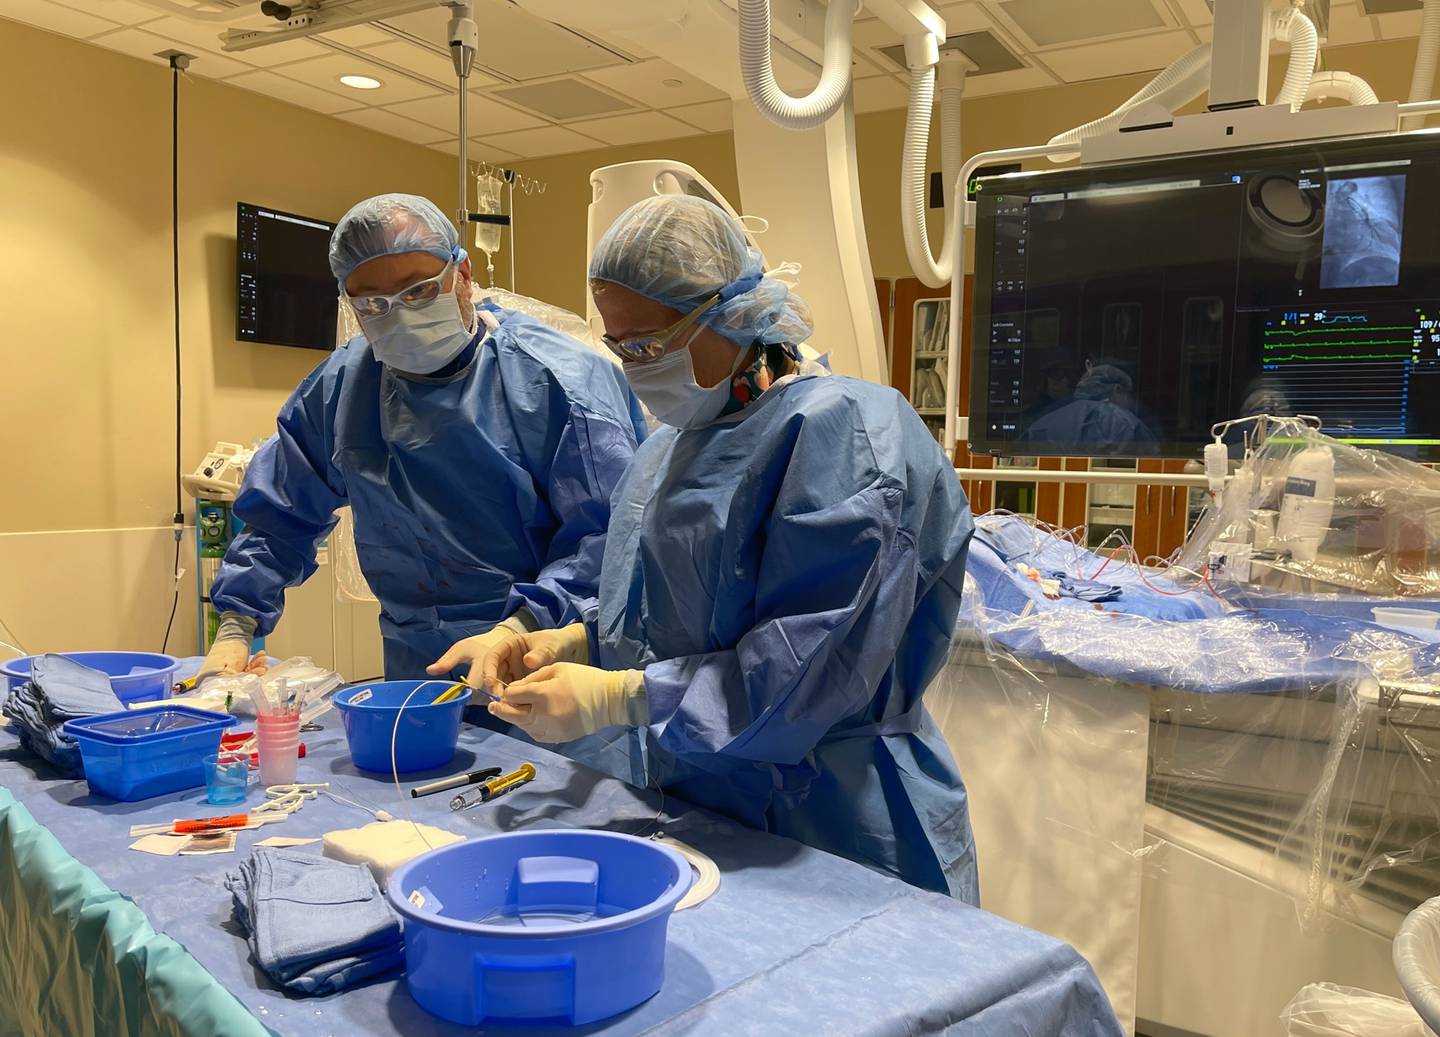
{"x":316,"y":926}
{"x":59,"y":689}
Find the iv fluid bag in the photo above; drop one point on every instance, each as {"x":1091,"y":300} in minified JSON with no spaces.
{"x":487,"y":193}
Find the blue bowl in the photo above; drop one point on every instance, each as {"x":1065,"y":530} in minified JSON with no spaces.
{"x":134,"y":676}
{"x":550,"y":925}
{"x":428,"y":733}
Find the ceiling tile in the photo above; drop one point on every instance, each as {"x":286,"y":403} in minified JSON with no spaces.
{"x":656,"y":83}
{"x":513,"y":42}
{"x":712,"y":117}
{"x":326,"y":72}
{"x":392,"y":125}
{"x":564,"y":100}
{"x":1348,"y":25}
{"x":1008,"y":82}
{"x":967,"y":17}
{"x":141,"y":44}
{"x":484,"y":114}
{"x":282,"y":89}
{"x":55,"y":18}
{"x":1055,"y":23}
{"x":1118,"y":57}
{"x":1399,"y":24}
{"x":477,"y":151}
{"x":1197,"y":12}
{"x":548,"y":140}
{"x":124,"y":12}
{"x":357,"y":36}
{"x":880,"y":94}
{"x":432,"y":64}
{"x":639,"y":128}
{"x":206,"y":37}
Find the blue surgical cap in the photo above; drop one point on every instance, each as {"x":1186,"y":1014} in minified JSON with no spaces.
{"x":679,"y":251}
{"x":1101,"y":381}
{"x":388,"y":225}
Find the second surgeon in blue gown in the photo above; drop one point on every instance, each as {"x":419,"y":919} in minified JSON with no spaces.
{"x":478,"y":457}
{"x":782,"y":572}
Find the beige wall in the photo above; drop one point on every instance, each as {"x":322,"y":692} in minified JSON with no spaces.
{"x":551,"y":227}
{"x":85,"y":331}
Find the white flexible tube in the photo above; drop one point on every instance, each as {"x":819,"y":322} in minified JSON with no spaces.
{"x":796,"y":113}
{"x":1351,"y":88}
{"x":1422,"y":80}
{"x":1299,"y":32}
{"x":914,"y":177}
{"x":1179,"y":83}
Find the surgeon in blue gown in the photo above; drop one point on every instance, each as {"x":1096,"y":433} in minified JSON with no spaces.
{"x":478,"y":452}
{"x":782,"y":572}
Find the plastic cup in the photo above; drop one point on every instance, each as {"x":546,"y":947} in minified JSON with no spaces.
{"x":226,"y":776}
{"x":279,"y":738}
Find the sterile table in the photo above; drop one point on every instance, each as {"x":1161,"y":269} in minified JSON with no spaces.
{"x":796,"y":941}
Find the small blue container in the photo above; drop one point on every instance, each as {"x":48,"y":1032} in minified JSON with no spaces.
{"x":134,"y":676}
{"x":150,"y":752}
{"x":549,"y":925}
{"x":428,"y":733}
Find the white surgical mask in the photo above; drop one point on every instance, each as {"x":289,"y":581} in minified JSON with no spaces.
{"x":669,"y":391}
{"x":419,"y":339}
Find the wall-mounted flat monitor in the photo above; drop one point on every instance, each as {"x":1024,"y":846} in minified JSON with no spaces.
{"x":287,"y":295}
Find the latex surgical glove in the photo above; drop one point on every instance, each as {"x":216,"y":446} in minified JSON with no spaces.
{"x":231,"y":651}
{"x":565,"y":701}
{"x":509,"y":652}
{"x":226,"y":657}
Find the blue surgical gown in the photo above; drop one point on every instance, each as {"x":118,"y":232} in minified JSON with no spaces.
{"x":789,"y":580}
{"x":462,"y":487}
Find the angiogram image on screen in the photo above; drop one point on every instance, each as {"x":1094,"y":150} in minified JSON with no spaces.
{"x":1363,"y":220}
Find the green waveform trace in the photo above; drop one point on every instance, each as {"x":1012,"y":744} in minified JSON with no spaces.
{"x":1340,"y":356}
{"x":1338,"y":327}
{"x":1347,"y":342}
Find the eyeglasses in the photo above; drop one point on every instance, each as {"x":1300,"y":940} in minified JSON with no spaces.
{"x":418,"y":294}
{"x":643,"y":349}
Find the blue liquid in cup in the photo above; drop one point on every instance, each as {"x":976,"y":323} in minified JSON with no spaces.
{"x":226,"y":776}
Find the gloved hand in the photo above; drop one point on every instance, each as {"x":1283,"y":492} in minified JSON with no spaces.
{"x":565,"y":701}
{"x":507,"y":653}
{"x":232,"y":656}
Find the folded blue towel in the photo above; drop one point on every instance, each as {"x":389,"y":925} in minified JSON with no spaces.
{"x":316,"y":926}
{"x":59,"y":689}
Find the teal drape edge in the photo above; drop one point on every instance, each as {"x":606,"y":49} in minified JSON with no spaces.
{"x":77,"y":958}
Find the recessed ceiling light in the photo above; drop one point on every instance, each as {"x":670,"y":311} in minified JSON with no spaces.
{"x":672,"y":82}
{"x":361,"y":82}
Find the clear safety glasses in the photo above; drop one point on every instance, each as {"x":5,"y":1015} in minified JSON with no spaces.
{"x":418,"y":294}
{"x":642,"y":349}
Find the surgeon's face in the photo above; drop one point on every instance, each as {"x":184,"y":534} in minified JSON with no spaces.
{"x":627,"y":314}
{"x":388,"y":275}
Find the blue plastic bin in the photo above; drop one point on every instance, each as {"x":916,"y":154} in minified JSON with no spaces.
{"x":134,"y":676}
{"x":149,"y":752}
{"x":428,"y":733}
{"x":550,"y":925}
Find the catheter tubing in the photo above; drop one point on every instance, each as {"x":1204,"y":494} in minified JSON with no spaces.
{"x":1422,"y":80}
{"x":1351,"y":88}
{"x":914,"y":178}
{"x":1179,"y":83}
{"x":959,"y":215}
{"x":1299,"y":32}
{"x":796,"y":113}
